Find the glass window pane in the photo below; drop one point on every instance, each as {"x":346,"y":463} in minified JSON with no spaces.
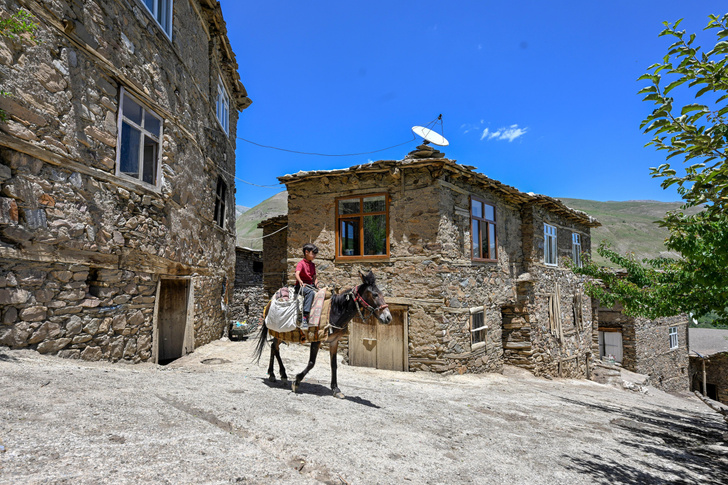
{"x":349,"y":236}
{"x":489,"y":212}
{"x":129,"y":156}
{"x":151,"y":124}
{"x":477,"y":208}
{"x":150,"y":5}
{"x":150,"y":161}
{"x":375,"y":204}
{"x":349,"y":206}
{"x":375,"y":235}
{"x":132,"y":111}
{"x":475,"y":236}
{"x":492,"y":240}
{"x":485,"y":241}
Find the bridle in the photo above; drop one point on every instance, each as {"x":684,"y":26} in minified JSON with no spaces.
{"x":367,"y":307}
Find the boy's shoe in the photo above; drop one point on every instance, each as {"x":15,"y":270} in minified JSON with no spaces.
{"x":304,"y":323}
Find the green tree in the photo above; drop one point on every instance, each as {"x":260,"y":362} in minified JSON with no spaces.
{"x":14,"y":27}
{"x":697,"y":133}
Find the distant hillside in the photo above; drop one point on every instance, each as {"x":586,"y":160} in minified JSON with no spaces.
{"x":240,"y":210}
{"x":628,"y":226}
{"x":248,"y":234}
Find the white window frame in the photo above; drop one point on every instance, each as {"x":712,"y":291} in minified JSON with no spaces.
{"x":154,"y":10}
{"x":550,"y":248}
{"x":482,"y":329}
{"x":673,"y":338}
{"x":222,"y":106}
{"x":576,"y":249}
{"x":121,"y":119}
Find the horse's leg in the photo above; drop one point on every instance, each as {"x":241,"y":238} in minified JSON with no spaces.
{"x":334,"y":387}
{"x":311,"y":363}
{"x":284,"y":376}
{"x":273,"y":352}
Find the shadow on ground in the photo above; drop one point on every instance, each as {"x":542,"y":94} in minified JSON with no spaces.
{"x":317,"y":390}
{"x":691,"y":445}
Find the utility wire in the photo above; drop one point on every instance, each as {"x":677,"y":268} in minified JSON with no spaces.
{"x":263,"y":237}
{"x":327,"y":154}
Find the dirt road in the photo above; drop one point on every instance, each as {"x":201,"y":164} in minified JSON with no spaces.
{"x":65,"y":421}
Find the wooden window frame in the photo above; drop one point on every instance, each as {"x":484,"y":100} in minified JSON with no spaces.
{"x":487,"y":223}
{"x":360,"y":215}
{"x":547,"y":235}
{"x":220,"y":202}
{"x":576,"y":249}
{"x":672,"y":332}
{"x":121,"y":119}
{"x":481,"y":330}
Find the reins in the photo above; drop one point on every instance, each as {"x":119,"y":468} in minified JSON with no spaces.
{"x":367,"y":307}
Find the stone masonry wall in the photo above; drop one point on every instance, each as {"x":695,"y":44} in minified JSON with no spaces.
{"x":430,"y":270}
{"x":249,"y":297}
{"x":275,"y":256}
{"x":62,"y":205}
{"x":667,"y":368}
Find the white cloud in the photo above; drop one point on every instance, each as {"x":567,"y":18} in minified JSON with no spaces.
{"x":510,"y":133}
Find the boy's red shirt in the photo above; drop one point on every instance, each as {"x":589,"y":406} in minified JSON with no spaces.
{"x":308,"y":271}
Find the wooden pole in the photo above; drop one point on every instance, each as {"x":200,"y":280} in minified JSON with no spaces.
{"x":705,"y":383}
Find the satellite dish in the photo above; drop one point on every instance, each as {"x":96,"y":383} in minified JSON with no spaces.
{"x":430,"y":136}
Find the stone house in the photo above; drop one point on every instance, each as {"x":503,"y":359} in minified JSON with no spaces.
{"x":709,"y":362}
{"x":657,"y":348}
{"x":473,"y":269}
{"x":249,"y":299}
{"x":117,"y":171}
{"x":275,"y":251}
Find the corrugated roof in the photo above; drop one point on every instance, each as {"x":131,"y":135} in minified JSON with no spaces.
{"x":466,"y":171}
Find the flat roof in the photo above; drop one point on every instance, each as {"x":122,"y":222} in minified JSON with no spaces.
{"x":708,"y":341}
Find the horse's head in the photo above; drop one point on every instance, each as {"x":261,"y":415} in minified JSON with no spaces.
{"x":373,"y":297}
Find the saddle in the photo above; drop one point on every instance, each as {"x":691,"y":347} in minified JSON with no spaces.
{"x":283,"y":314}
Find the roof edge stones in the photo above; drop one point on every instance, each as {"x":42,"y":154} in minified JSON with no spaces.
{"x":280,"y":219}
{"x":464,"y":171}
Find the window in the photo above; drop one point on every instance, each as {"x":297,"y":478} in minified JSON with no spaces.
{"x":222,"y":106}
{"x":576,"y":249}
{"x":220,"y":195}
{"x":363,"y":226}
{"x":161,"y":10}
{"x":673,"y":338}
{"x":482,"y":223}
{"x":138,"y":145}
{"x":477,"y":328}
{"x":549,"y":245}
{"x":257,"y":266}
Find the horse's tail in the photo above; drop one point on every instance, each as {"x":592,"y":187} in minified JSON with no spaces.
{"x":262,"y":340}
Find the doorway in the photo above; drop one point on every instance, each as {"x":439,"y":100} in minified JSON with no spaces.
{"x":172,"y":320}
{"x":374,"y":344}
{"x":610,"y":344}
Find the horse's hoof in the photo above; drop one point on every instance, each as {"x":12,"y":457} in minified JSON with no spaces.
{"x":294,"y":386}
{"x":284,"y":381}
{"x":271,"y":378}
{"x":338,"y":394}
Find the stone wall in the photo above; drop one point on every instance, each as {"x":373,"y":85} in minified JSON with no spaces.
{"x":63,"y":207}
{"x":249,"y":297}
{"x":716,"y":373}
{"x":430,"y":270}
{"x":275,"y":254}
{"x":646,"y":347}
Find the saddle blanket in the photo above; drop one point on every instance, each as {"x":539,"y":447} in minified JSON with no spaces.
{"x":282,"y":322}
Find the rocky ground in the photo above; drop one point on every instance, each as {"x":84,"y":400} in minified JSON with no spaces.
{"x":212,"y":418}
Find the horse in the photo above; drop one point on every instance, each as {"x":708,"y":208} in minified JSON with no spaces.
{"x":344,"y":307}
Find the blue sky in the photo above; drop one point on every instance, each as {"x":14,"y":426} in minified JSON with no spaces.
{"x":554,"y":84}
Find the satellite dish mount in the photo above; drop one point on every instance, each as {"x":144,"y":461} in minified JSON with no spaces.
{"x":429,"y":136}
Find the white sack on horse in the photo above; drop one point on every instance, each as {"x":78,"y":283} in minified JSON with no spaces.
{"x":282,"y":315}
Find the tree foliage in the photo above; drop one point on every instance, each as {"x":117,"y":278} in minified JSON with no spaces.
{"x":696,"y":133}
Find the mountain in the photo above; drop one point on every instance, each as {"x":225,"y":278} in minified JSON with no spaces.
{"x":629,"y":226}
{"x":246,"y":226}
{"x":240,"y":210}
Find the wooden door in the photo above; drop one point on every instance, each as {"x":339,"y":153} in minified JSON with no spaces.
{"x":172,"y":319}
{"x":373,"y":344}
